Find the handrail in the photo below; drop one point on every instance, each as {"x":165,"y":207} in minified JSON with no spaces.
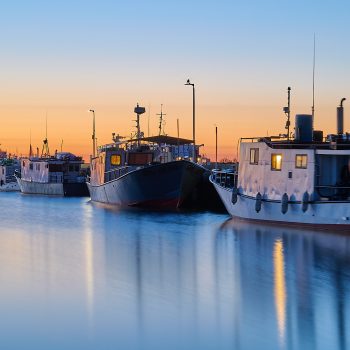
{"x":115,"y":173}
{"x":333,"y":187}
{"x":226,"y":179}
{"x":117,"y":169}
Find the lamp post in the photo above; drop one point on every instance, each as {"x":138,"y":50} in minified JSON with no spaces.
{"x":194,"y":119}
{"x":216,"y":147}
{"x":93,"y":134}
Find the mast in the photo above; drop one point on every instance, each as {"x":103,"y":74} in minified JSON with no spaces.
{"x":138,"y":110}
{"x":313,"y":79}
{"x":148,"y":118}
{"x":45,"y":152}
{"x":286,"y":110}
{"x":161,"y":121}
{"x":178,"y":131}
{"x":30,"y":145}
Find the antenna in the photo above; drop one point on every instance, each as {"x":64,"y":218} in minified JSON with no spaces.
{"x":30,"y":144}
{"x":161,"y":121}
{"x":62,"y":146}
{"x":45,"y":152}
{"x":148,"y":118}
{"x":178,"y":134}
{"x":286,"y":110}
{"x":313,"y":79}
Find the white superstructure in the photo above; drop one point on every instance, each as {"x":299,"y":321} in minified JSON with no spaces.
{"x":301,"y":181}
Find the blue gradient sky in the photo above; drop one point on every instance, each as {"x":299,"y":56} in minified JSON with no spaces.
{"x":65,"y":56}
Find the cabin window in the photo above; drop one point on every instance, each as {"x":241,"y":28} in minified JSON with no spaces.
{"x":276,"y":162}
{"x":24,"y":164}
{"x":77,"y":168}
{"x":115,"y":159}
{"x":254,"y":156}
{"x":301,"y":161}
{"x":139,"y":158}
{"x":31,"y":166}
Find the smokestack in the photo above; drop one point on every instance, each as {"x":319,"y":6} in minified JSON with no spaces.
{"x":340,"y":117}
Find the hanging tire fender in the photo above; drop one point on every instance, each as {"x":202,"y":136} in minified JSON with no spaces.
{"x":284,"y":207}
{"x":305,"y":201}
{"x":234,"y":196}
{"x":258,"y":200}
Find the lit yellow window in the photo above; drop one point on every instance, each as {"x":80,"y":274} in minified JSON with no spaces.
{"x":276,"y":162}
{"x":115,"y":159}
{"x":254,"y":156}
{"x":301,"y":161}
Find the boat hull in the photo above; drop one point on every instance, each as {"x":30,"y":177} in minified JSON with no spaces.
{"x":53,"y":189}
{"x":169,"y":185}
{"x":10,"y":187}
{"x":325,"y":214}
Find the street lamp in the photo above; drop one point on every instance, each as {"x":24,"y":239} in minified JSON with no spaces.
{"x":93,"y":134}
{"x":194,"y":119}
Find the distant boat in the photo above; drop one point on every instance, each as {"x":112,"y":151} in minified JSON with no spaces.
{"x":304,"y":180}
{"x":8,"y":167}
{"x":59,"y":175}
{"x":155,"y":171}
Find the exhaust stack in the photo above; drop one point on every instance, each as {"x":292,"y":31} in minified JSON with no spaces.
{"x":340,"y":117}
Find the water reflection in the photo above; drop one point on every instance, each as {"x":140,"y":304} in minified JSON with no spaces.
{"x":75,"y":275}
{"x":280,"y":287}
{"x":89,"y":264}
{"x":310,"y":278}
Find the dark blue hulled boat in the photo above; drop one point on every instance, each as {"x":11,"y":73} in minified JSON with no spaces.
{"x":158,"y":171}
{"x":147,"y":172}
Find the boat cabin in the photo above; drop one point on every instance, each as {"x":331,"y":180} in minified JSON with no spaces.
{"x":308,"y":167}
{"x":8,"y":167}
{"x":117,"y":159}
{"x":63,"y":168}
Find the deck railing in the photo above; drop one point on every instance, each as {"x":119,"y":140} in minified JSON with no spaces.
{"x":333,"y":192}
{"x":115,"y":173}
{"x":224,"y":178}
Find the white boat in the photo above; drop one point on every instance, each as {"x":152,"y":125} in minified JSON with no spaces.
{"x":305,"y":180}
{"x":8,"y":167}
{"x":59,"y":175}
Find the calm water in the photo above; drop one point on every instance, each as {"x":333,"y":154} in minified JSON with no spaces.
{"x":74,"y":275}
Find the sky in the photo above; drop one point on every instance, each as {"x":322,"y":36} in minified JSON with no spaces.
{"x":61,"y":58}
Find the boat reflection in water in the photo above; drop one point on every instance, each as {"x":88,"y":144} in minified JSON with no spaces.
{"x":293,"y":283}
{"x":133,"y":279}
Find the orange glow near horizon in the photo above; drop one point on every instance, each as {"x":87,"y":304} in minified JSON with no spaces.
{"x":73,"y":125}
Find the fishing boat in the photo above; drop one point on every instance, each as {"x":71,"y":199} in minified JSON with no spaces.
{"x":297,"y":180}
{"x":156,"y":171}
{"x":58,"y":175}
{"x":8,"y":167}
{"x":61,"y":175}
